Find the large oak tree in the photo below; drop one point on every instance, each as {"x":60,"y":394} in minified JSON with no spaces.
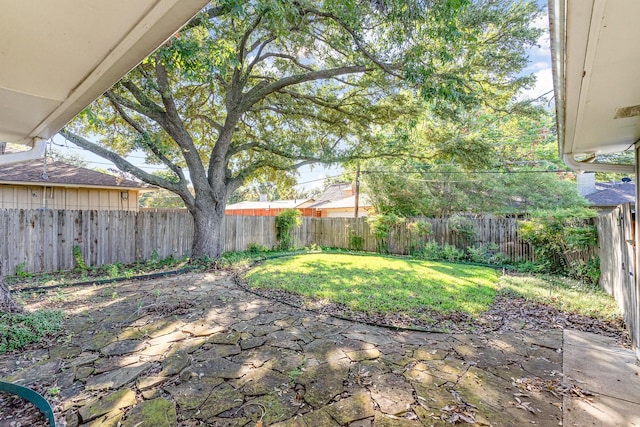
{"x":264,"y":87}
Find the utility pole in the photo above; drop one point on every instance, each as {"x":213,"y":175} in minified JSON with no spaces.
{"x":357,"y":190}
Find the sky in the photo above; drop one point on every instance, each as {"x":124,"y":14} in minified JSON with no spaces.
{"x":540,"y":61}
{"x":313,"y":176}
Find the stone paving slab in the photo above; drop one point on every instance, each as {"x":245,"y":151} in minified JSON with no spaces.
{"x":205,"y":352}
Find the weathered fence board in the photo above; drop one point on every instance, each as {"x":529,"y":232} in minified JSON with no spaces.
{"x":617,"y":265}
{"x":44,"y":240}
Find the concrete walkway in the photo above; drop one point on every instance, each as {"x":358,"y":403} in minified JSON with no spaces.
{"x":598,"y":365}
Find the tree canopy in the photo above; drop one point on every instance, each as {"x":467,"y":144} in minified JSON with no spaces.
{"x":513,"y":168}
{"x":249,"y":90}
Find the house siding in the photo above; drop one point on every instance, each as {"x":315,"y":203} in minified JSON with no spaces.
{"x":343,"y":212}
{"x":38,"y":197}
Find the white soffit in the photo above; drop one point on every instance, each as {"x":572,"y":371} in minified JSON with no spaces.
{"x":56,"y":57}
{"x":602,"y":76}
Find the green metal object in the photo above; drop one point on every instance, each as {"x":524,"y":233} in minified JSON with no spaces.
{"x":33,"y":397}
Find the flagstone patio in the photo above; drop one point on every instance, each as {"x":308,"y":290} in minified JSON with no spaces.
{"x":197,"y":349}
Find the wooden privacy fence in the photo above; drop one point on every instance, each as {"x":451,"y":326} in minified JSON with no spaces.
{"x":44,"y":240}
{"x":617,"y":265}
{"x":334,"y":232}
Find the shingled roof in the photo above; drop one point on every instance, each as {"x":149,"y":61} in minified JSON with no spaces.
{"x":612,"y":194}
{"x":62,"y":174}
{"x":332,"y":193}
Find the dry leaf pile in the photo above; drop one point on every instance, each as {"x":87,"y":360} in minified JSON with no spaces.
{"x":460,"y":411}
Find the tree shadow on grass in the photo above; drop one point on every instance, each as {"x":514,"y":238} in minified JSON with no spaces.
{"x":402,"y":286}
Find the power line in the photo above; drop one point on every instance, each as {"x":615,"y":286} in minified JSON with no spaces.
{"x":84,"y":149}
{"x":427,"y":172}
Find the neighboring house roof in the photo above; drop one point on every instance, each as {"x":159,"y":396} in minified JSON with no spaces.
{"x":62,"y":174}
{"x":347,"y":202}
{"x":274,"y":204}
{"x":612,"y":194}
{"x":332,"y":198}
{"x":333,"y":192}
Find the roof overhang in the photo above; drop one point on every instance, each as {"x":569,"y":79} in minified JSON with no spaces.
{"x":58,"y":56}
{"x":597,"y":89}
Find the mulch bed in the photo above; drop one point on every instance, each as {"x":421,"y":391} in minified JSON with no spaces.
{"x":15,"y":411}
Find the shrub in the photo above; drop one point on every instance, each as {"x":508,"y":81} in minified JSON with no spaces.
{"x":462,"y":227}
{"x":21,"y":271}
{"x":112,"y":270}
{"x":381,"y":227}
{"x":562,"y":240}
{"x":451,"y":253}
{"x":314,"y":247}
{"x":431,"y":252}
{"x":286,"y":222}
{"x":256,"y":248}
{"x":17,"y":330}
{"x":487,"y":254}
{"x":528,"y":267}
{"x":356,"y":241}
{"x":419,"y":231}
{"x":77,"y":256}
{"x":589,"y":270}
{"x":478,"y":254}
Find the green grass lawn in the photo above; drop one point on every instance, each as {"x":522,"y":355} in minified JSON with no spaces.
{"x":565,"y":294}
{"x":382,"y":284}
{"x":379,"y":284}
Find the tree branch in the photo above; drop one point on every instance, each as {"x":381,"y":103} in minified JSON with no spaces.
{"x":124,"y":165}
{"x":386,"y":67}
{"x":151,"y":109}
{"x":240,"y":148}
{"x":283,"y":56}
{"x":154,"y":149}
{"x":139,"y":108}
{"x":245,"y":37}
{"x":295,"y":112}
{"x":175,"y":128}
{"x":217,"y":126}
{"x":260,"y":91}
{"x":209,"y":14}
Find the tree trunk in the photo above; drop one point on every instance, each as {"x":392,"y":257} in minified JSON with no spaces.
{"x":208,"y":233}
{"x":7,"y":304}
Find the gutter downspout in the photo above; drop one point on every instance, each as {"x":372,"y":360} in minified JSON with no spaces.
{"x":570,"y":161}
{"x":635,"y":305}
{"x":38,"y":147}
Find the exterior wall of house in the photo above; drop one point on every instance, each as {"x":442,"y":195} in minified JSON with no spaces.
{"x":36,"y":197}
{"x":267,"y":212}
{"x":342,"y":212}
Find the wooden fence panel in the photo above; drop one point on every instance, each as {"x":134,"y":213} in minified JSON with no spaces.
{"x":44,"y":239}
{"x":617,"y":264}
{"x":334,"y":232}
